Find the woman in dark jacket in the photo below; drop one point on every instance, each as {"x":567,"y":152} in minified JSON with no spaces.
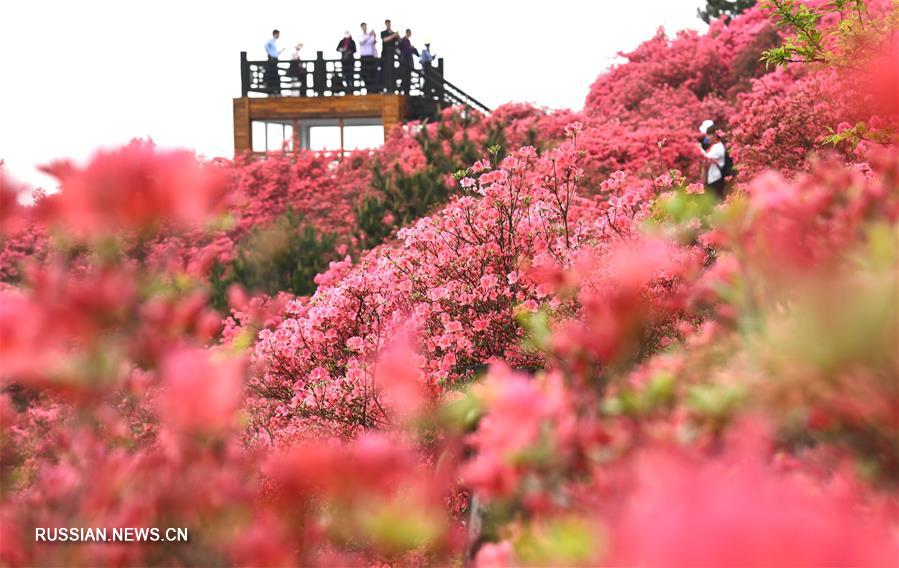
{"x":347,"y":49}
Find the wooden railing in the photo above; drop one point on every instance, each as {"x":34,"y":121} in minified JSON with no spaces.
{"x":321,"y":77}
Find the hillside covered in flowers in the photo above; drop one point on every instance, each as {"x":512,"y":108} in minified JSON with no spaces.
{"x":525,"y":338}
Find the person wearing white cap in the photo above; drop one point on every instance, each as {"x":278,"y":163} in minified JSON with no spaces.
{"x":715,"y":158}
{"x":425,"y":59}
{"x":347,"y":49}
{"x":704,"y":128}
{"x":426,"y":56}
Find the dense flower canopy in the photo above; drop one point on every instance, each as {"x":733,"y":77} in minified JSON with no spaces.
{"x":528,"y":338}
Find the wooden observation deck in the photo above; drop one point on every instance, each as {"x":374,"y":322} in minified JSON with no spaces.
{"x":299,"y":95}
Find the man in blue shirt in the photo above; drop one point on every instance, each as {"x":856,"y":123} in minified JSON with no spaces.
{"x":272,"y":78}
{"x":426,"y":56}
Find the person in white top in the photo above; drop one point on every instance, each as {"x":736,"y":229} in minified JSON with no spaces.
{"x":297,"y":71}
{"x":715,"y":158}
{"x":368,"y":52}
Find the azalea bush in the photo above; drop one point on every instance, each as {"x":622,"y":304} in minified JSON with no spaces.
{"x":459,"y":284}
{"x":524,"y":339}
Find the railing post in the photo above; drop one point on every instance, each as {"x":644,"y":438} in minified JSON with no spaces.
{"x":319,"y":74}
{"x":244,"y":75}
{"x":439,"y":81}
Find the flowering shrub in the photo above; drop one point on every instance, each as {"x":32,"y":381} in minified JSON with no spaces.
{"x":782,"y":121}
{"x":458,"y":282}
{"x":29,"y":242}
{"x":642,"y":116}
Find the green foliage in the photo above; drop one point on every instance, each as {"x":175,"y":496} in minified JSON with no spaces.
{"x":714,"y":9}
{"x":462,"y":414}
{"x":716,"y":403}
{"x":401,"y":198}
{"x":807,"y":45}
{"x":537,"y":326}
{"x":284,"y":256}
{"x":398,"y":527}
{"x":852,"y":44}
{"x":680,"y":215}
{"x":681,"y":206}
{"x":288,"y":254}
{"x":857,"y":133}
{"x":844,"y":45}
{"x":657,"y":395}
{"x":565,"y":541}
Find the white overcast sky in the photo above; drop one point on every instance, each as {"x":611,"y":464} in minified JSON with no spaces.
{"x":78,"y":75}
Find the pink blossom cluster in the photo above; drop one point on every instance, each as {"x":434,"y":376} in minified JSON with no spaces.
{"x":458,"y":280}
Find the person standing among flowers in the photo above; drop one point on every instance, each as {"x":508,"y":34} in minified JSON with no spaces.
{"x":715,"y":159}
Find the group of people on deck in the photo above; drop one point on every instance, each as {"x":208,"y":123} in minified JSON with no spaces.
{"x":389,"y":72}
